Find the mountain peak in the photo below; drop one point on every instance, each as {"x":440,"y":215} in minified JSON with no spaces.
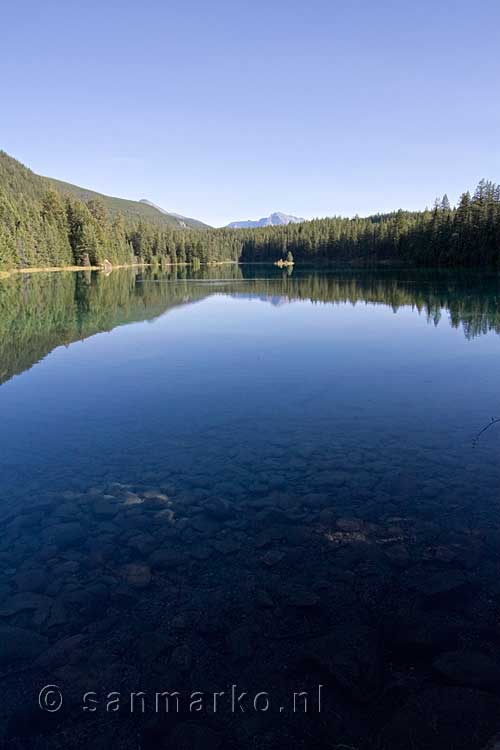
{"x":275,"y":219}
{"x":183,"y":221}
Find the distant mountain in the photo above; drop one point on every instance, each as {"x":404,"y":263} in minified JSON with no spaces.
{"x":183,"y":220}
{"x":276,"y":219}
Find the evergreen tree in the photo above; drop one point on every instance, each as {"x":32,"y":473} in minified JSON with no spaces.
{"x":41,"y":226}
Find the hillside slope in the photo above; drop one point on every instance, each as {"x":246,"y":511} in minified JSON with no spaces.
{"x":185,"y":221}
{"x":46,"y":223}
{"x":15,"y":177}
{"x":134,"y":210}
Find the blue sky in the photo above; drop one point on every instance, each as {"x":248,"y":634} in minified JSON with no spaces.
{"x":231,"y":110}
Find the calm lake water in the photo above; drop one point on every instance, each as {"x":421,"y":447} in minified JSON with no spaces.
{"x":247,"y":481}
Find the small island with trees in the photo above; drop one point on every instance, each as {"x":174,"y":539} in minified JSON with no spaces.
{"x":285,"y":262}
{"x":47,"y":224}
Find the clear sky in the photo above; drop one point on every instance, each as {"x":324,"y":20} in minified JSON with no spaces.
{"x":231,"y":110}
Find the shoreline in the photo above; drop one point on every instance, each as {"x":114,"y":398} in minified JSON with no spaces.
{"x":382,"y":265}
{"x":108,"y":267}
{"x":53,"y":269}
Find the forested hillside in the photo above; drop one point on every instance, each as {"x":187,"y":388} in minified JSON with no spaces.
{"x":42,"y":223}
{"x":130,"y":210}
{"x":466,"y":235}
{"x":45,"y":222}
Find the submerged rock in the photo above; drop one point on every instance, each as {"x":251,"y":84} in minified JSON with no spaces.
{"x":226,"y":546}
{"x":20,"y":643}
{"x":472,"y":668}
{"x":32,"y":580}
{"x":493,"y":743}
{"x":443,"y":717}
{"x":182,"y":657}
{"x":64,"y":534}
{"x":350,"y":655}
{"x":428,"y":632}
{"x":297,"y":596}
{"x":164,"y":559}
{"x":191,"y":736}
{"x":137,"y":575}
{"x":273,"y":557}
{"x":61,"y":652}
{"x":25,"y":601}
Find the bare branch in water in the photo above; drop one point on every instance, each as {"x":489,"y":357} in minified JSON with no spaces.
{"x":490,"y":424}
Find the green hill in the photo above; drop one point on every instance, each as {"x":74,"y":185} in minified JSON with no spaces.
{"x":134,"y":210}
{"x":48,"y":223}
{"x":17,"y":178}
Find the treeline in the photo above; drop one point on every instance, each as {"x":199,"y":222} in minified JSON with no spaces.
{"x":44,"y":227}
{"x":468,"y":235}
{"x":63,"y":231}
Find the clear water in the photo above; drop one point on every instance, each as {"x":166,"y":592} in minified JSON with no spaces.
{"x":247,"y":477}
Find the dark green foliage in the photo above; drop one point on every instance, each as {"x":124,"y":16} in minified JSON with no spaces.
{"x":468,"y":235}
{"x":43,"y":223}
{"x":132,"y":211}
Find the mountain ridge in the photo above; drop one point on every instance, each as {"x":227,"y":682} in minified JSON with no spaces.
{"x":15,"y":176}
{"x":185,"y":221}
{"x":136,"y":209}
{"x":277,"y":218}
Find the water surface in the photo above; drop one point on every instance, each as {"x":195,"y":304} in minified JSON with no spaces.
{"x":253,"y":477}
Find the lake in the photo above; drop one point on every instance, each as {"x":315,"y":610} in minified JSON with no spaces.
{"x":272,"y":493}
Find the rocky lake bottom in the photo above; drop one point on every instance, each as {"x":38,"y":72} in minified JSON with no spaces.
{"x":262,"y":493}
